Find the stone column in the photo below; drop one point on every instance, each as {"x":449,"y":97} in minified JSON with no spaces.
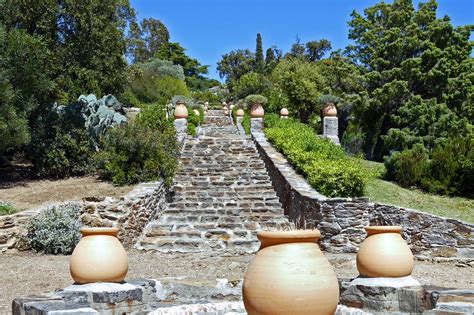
{"x":256,"y":125}
{"x":330,"y":128}
{"x":181,"y":125}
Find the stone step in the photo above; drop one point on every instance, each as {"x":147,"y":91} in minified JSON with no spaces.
{"x":222,"y":196}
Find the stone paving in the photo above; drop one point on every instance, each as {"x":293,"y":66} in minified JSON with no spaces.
{"x":223,"y":195}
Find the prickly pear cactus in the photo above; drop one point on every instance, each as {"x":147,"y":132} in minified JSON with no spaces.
{"x":100,"y":114}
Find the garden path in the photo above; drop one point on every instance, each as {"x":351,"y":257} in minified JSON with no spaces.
{"x":223,"y":195}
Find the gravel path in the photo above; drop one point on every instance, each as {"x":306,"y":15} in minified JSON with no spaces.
{"x":29,"y":273}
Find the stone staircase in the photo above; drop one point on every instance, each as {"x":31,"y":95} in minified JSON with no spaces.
{"x":223,"y":196}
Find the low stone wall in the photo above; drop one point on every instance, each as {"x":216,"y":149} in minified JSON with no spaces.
{"x":130,"y":213}
{"x":341,"y":220}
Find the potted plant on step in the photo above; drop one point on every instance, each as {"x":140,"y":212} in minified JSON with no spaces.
{"x":256,"y":103}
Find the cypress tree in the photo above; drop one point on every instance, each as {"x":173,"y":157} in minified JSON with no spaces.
{"x":259,"y":63}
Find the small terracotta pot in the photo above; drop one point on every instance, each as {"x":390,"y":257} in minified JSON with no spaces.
{"x":196,"y":112}
{"x":99,"y":257}
{"x":329,"y":110}
{"x":240,"y":112}
{"x":384,"y":253}
{"x":226,"y":112}
{"x":284,"y":113}
{"x":180,"y":111}
{"x":257,"y":111}
{"x":290,"y":275}
{"x":231,"y":107}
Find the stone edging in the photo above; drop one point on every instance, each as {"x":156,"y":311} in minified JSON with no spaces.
{"x":341,"y":220}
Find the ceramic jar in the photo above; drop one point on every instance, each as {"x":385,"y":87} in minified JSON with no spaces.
{"x":196,"y":112}
{"x":290,"y":275}
{"x":226,"y":112}
{"x":384,"y":253}
{"x":99,"y":257}
{"x":329,"y":110}
{"x":180,"y":111}
{"x":284,"y":113}
{"x":257,"y":111}
{"x":240,"y":112}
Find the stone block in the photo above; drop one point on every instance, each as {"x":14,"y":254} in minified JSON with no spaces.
{"x":181,"y":125}
{"x":404,"y":295}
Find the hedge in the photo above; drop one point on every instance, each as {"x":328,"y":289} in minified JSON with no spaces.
{"x":324,"y":164}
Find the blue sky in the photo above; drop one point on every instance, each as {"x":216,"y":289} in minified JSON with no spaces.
{"x":210,"y":28}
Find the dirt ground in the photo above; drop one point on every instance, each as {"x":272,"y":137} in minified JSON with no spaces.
{"x":29,"y":273}
{"x":29,"y":193}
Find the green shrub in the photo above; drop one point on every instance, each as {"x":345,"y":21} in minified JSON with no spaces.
{"x":137,"y":153}
{"x":256,"y":99}
{"x":194,"y":121}
{"x":55,"y":230}
{"x":60,"y":146}
{"x":6,"y":208}
{"x":324,"y":164}
{"x":154,"y":116}
{"x":408,"y":167}
{"x":451,"y":168}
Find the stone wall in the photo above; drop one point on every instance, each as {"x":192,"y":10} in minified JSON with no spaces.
{"x":130,"y":213}
{"x":341,"y":220}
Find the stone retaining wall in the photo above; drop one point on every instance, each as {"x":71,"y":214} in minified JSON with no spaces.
{"x":130,"y":213}
{"x":341,"y":220}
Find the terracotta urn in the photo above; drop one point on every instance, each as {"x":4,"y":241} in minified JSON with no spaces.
{"x":240,"y":112}
{"x":99,"y":257}
{"x":384,"y":253}
{"x":284,"y":112}
{"x":256,"y":111}
{"x":290,"y":275}
{"x":180,"y":111}
{"x":231,"y":106}
{"x":329,"y":110}
{"x":196,"y":112}
{"x":226,"y":112}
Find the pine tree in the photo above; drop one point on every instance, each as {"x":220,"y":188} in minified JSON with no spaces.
{"x":259,"y":62}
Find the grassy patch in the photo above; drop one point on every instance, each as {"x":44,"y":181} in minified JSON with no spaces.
{"x":6,"y":208}
{"x":382,"y":191}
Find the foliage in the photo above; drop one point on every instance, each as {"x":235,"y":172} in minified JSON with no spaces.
{"x":259,"y":62}
{"x":153,"y":116}
{"x":324,"y":164}
{"x":447,"y":169}
{"x":156,"y":84}
{"x":328,"y":98}
{"x":162,"y":68}
{"x":251,"y":83}
{"x":60,"y":146}
{"x":6,"y":208}
{"x":145,"y":40}
{"x":256,"y":99}
{"x":302,"y":83}
{"x":55,"y":230}
{"x":235,"y":64}
{"x":409,"y":166}
{"x":316,"y":49}
{"x":136,"y":153}
{"x":414,"y":64}
{"x":206,"y":96}
{"x":194,"y":120}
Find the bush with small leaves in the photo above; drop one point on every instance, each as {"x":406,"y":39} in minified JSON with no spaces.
{"x":6,"y":208}
{"x":256,"y":99}
{"x":55,"y":230}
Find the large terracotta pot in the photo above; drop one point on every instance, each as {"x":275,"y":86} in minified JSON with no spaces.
{"x":290,"y":275}
{"x":240,"y":112}
{"x":384,"y":253}
{"x":257,"y":111}
{"x":99,"y":257}
{"x":196,"y":112}
{"x":180,"y":111}
{"x":329,"y":110}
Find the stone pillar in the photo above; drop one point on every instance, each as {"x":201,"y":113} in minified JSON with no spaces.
{"x":181,"y":125}
{"x":239,"y":125}
{"x":256,"y":125}
{"x":330,"y":128}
